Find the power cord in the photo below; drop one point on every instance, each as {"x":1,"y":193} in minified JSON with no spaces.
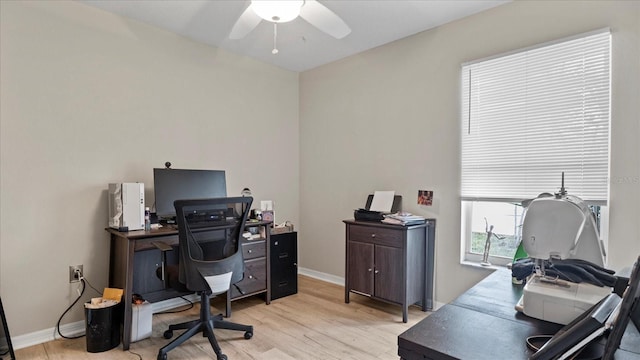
{"x":136,"y":354}
{"x":69,"y":308}
{"x":84,"y":283}
{"x":91,"y":286}
{"x":178,"y":311}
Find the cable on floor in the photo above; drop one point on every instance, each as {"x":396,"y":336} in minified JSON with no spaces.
{"x":136,"y":354}
{"x":179,"y":311}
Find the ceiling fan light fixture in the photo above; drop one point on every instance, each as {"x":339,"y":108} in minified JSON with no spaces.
{"x":277,"y":11}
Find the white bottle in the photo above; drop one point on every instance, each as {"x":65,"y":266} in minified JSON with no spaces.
{"x":147,"y":219}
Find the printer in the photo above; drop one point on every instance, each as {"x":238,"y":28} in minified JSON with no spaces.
{"x":367,"y":214}
{"x":558,"y":227}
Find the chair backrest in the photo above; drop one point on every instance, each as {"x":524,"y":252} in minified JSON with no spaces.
{"x":209,"y":233}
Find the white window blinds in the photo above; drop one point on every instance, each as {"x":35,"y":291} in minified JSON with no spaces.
{"x":531,"y":115}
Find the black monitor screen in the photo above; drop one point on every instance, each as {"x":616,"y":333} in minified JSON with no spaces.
{"x":182,"y":184}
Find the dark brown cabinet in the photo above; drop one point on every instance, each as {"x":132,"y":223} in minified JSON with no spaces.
{"x":390,"y":263}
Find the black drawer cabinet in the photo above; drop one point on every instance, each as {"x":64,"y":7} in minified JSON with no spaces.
{"x":284,"y":264}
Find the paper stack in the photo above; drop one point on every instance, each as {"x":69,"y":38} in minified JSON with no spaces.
{"x":404,"y":219}
{"x":110,"y":297}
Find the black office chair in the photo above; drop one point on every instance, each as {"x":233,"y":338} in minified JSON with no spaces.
{"x":210,"y":262}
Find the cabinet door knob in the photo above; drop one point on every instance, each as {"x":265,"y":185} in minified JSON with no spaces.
{"x":375,"y":272}
{"x":369,"y":270}
{"x":373,"y":235}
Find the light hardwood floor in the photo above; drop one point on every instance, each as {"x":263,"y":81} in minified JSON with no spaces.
{"x":315,"y":323}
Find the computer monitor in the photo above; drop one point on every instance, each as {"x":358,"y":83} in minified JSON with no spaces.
{"x":185,"y":184}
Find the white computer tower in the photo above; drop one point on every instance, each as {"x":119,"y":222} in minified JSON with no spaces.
{"x":126,"y":206}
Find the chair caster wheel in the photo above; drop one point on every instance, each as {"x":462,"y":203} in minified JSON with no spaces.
{"x":167,"y":335}
{"x":248,"y":335}
{"x":162,"y":356}
{"x":222,"y":357}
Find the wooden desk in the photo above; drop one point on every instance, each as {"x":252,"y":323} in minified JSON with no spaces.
{"x":134,"y":260}
{"x":482,"y":324}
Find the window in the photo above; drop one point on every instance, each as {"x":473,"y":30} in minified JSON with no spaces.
{"x":527,"y":117}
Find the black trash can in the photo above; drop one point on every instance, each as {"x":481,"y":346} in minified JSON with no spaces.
{"x":103,"y":327}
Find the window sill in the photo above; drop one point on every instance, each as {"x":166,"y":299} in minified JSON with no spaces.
{"x":476,"y":265}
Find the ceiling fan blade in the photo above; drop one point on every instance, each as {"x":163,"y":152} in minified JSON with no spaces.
{"x":246,"y":22}
{"x":324,"y":19}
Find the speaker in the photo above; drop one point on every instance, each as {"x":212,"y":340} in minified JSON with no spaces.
{"x":284,"y":264}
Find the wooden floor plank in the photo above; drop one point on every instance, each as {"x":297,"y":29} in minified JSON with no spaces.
{"x":314,"y":324}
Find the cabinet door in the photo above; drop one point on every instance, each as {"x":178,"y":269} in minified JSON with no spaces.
{"x":146,"y":267}
{"x":388,"y":273}
{"x":361,"y":267}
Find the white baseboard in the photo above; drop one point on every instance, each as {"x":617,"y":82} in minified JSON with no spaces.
{"x":78,"y":328}
{"x":321,"y":276}
{"x":38,"y":337}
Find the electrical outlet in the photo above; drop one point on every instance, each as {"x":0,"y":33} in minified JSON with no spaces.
{"x":75,"y":272}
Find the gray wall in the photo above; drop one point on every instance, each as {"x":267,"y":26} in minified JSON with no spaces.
{"x":90,"y":98}
{"x":388,"y":119}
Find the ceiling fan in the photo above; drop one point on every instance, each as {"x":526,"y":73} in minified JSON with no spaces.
{"x":281,"y":11}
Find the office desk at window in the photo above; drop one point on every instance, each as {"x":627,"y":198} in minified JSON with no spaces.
{"x":134,"y":260}
{"x":482,"y":324}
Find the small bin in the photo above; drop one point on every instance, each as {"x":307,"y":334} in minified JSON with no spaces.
{"x":141,"y":321}
{"x":103,"y":327}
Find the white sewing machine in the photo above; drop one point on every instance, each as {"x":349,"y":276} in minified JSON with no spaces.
{"x":559,"y":227}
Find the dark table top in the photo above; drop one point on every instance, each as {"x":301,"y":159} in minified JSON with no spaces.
{"x":483,"y":324}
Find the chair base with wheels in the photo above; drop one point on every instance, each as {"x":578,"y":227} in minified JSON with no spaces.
{"x":205,"y":324}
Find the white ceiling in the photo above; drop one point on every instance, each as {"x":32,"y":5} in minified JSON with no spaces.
{"x":301,"y":46}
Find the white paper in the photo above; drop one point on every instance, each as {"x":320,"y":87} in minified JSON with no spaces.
{"x":266,"y":205}
{"x":382,"y":201}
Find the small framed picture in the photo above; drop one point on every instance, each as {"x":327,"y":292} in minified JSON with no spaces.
{"x":425,"y":197}
{"x":267,"y":215}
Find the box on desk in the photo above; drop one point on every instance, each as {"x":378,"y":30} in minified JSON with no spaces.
{"x":286,"y":228}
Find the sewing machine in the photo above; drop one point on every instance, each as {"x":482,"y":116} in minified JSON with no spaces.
{"x":559,"y":226}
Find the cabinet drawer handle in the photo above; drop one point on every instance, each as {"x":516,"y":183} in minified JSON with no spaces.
{"x":249,"y":251}
{"x":373,"y":235}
